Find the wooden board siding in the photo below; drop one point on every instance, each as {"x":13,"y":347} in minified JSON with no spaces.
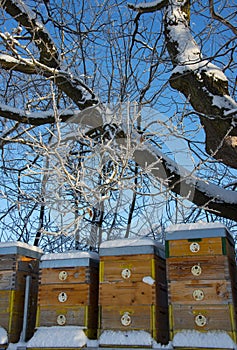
{"x":218,"y":317}
{"x":83,"y":316}
{"x":77,"y":274}
{"x":144,"y":302}
{"x":127,"y":294}
{"x":209,"y":246}
{"x":14,"y":269}
{"x":11,"y":315}
{"x":70,"y":292}
{"x":212,"y":292}
{"x":211,"y":268}
{"x":49,"y":295}
{"x":148,"y":318}
{"x":140,"y":266}
{"x":202,"y":281}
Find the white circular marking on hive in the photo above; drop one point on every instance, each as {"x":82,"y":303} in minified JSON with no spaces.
{"x":194,"y":247}
{"x":61,"y":320}
{"x":200,"y":320}
{"x":126,"y":319}
{"x":62,"y":297}
{"x":196,"y":270}
{"x":126,"y":273}
{"x":198,"y":294}
{"x":63,"y":275}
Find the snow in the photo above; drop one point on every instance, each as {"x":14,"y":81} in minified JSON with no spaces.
{"x":125,"y":338}
{"x":211,"y":339}
{"x":3,"y":336}
{"x":148,"y":280}
{"x":74,"y":337}
{"x":196,"y":226}
{"x":70,"y":255}
{"x":118,"y":243}
{"x":20,"y":245}
{"x":56,"y":336}
{"x":225,"y":102}
{"x":148,"y":152}
{"x":144,"y":5}
{"x":129,"y":338}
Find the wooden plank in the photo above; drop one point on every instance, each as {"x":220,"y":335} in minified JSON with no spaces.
{"x":7,"y":280}
{"x":11,"y":313}
{"x":7,"y":262}
{"x":142,"y":318}
{"x":83,"y":316}
{"x":74,"y":294}
{"x":80,"y":274}
{"x":212,"y":317}
{"x":200,"y":292}
{"x":74,"y":316}
{"x":113,"y":268}
{"x":110,"y":317}
{"x":200,"y":247}
{"x":201,"y":267}
{"x":127,"y":293}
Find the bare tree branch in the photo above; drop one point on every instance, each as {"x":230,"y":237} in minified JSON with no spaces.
{"x":73,"y":87}
{"x":203,"y":83}
{"x":218,"y":17}
{"x":25,"y":17}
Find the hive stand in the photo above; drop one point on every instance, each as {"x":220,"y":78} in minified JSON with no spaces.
{"x":68,"y":292}
{"x":201,"y":272}
{"x":19,"y":267}
{"x":133,"y":289}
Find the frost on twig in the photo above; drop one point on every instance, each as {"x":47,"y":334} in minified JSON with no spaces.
{"x":40,"y":36}
{"x":203,"y":83}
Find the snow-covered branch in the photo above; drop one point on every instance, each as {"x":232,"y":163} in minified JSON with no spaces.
{"x":204,"y":194}
{"x":203,"y":83}
{"x":73,"y":87}
{"x":152,"y":6}
{"x":92,"y":116}
{"x":212,"y":198}
{"x":25,"y":17}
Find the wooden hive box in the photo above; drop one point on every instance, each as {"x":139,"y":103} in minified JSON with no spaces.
{"x":133,"y":287}
{"x":68,"y":291}
{"x":201,"y":273}
{"x":19,"y":266}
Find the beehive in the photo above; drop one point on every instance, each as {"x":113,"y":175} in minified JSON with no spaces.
{"x":68,"y":291}
{"x":19,"y":265}
{"x":201,"y":272}
{"x":133,"y":289}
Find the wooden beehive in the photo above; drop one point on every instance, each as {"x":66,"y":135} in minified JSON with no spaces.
{"x":133,"y":288}
{"x":68,"y":291}
{"x":201,"y":272}
{"x":18,"y":262}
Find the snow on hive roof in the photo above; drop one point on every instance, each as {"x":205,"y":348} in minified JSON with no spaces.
{"x":131,"y":246}
{"x":69,"y":259}
{"x":197,"y":230}
{"x":20,"y":248}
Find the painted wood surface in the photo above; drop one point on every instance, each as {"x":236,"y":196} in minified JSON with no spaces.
{"x":217,"y":267}
{"x":204,"y":247}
